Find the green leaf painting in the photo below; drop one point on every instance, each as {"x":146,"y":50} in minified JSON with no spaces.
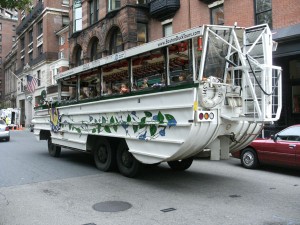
{"x":160,"y":117}
{"x":148,"y":114}
{"x":147,"y":125}
{"x":107,"y":129}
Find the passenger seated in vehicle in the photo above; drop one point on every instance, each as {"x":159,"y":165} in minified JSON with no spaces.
{"x":182,"y":77}
{"x":84,"y":93}
{"x":145,"y":83}
{"x":124,"y":89}
{"x":72,"y":93}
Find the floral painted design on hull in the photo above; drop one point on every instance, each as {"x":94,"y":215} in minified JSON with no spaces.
{"x":145,"y":127}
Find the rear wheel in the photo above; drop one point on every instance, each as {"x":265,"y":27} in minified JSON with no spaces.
{"x":104,"y":155}
{"x":7,"y":139}
{"x":54,"y":150}
{"x":249,"y":158}
{"x":181,"y":165}
{"x":127,"y":164}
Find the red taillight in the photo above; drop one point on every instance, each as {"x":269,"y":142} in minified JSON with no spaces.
{"x":6,"y":128}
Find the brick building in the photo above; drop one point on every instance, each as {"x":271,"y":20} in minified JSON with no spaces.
{"x":100,"y":28}
{"x":60,"y":65}
{"x":8,"y":25}
{"x":37,"y":49}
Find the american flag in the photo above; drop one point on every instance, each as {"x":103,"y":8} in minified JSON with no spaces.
{"x":31,"y":83}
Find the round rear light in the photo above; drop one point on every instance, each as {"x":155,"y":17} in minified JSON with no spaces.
{"x":211,"y":116}
{"x":201,"y":116}
{"x":206,"y":116}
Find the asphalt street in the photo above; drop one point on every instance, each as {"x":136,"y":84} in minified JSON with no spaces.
{"x":36,"y":189}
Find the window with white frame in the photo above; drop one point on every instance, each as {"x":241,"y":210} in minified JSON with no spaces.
{"x":39,"y":78}
{"x":61,"y":55}
{"x":65,"y":2}
{"x":167,"y":29}
{"x":217,"y":15}
{"x":65,"y":20}
{"x":113,"y":4}
{"x":77,"y":15}
{"x":61,"y":40}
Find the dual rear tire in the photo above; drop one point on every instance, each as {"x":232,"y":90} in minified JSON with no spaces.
{"x":104,"y":155}
{"x":106,"y":158}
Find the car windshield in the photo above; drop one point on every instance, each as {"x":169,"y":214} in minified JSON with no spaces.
{"x":2,"y":122}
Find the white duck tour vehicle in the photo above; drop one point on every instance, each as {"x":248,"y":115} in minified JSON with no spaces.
{"x":210,"y":87}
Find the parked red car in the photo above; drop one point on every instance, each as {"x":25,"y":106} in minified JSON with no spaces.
{"x":282,"y":149}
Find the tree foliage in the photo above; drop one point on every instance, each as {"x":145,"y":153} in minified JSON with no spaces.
{"x":19,"y":4}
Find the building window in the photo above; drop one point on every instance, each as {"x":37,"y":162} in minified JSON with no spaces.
{"x":116,"y":42}
{"x":78,"y":57}
{"x":94,"y":10}
{"x":113,"y":4}
{"x":30,"y":57}
{"x":0,"y":48}
{"x":39,"y":78}
{"x":40,"y":27}
{"x":22,"y":85}
{"x":0,"y":26}
{"x":65,"y":20}
{"x":167,"y":29}
{"x":61,"y":55}
{"x":141,"y":1}
{"x":0,"y":60}
{"x":61,"y":40}
{"x":77,"y":15}
{"x":22,"y":14}
{"x":22,"y":43}
{"x":0,"y":37}
{"x":30,"y":35}
{"x":263,"y":12}
{"x":23,"y":61}
{"x":65,"y":2}
{"x":40,"y":50}
{"x":14,"y":38}
{"x":217,"y":15}
{"x":141,"y":33}
{"x":13,"y":27}
{"x":94,"y":50}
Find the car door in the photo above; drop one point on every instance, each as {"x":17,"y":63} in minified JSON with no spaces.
{"x":287,"y":145}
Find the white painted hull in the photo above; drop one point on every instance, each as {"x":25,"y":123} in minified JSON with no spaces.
{"x":157,"y":127}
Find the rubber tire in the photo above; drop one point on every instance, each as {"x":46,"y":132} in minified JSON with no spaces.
{"x":249,"y":158}
{"x":127,"y":164}
{"x":104,"y":155}
{"x":7,"y":139}
{"x":54,"y":150}
{"x":181,"y":165}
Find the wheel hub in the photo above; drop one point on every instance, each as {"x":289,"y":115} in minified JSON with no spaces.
{"x":127,"y":159}
{"x":248,"y":159}
{"x":102,"y":154}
